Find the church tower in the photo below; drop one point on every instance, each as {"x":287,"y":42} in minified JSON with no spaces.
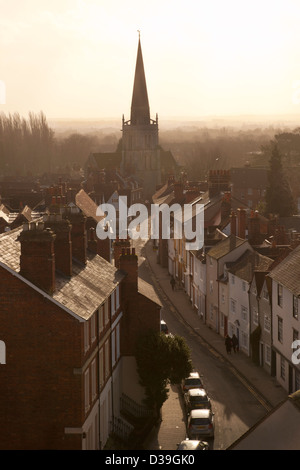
{"x":140,"y":150}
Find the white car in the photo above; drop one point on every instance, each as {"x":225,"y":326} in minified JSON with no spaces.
{"x":193,"y":381}
{"x":200,"y":423}
{"x":189,"y":444}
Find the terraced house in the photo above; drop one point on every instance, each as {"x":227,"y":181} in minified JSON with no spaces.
{"x":69,"y":320}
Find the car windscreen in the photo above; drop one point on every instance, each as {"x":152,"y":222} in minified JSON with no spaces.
{"x":200,"y":421}
{"x":199,"y":399}
{"x":193,"y":381}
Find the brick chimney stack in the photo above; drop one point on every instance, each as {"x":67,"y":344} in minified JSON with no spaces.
{"x":63,"y":244}
{"x":242,"y":216}
{"x":118,"y":246}
{"x":233,"y":223}
{"x":254,"y":228}
{"x":37,"y":261}
{"x":78,"y":233}
{"x":128,"y":262}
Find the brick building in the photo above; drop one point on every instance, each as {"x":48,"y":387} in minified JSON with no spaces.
{"x":68,"y":319}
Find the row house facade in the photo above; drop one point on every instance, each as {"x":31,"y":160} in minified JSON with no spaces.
{"x":285,"y":319}
{"x":69,"y":320}
{"x":240,"y":276}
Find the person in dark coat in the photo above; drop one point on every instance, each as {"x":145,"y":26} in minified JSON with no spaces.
{"x":172,"y":282}
{"x":228,"y":344}
{"x":235,"y":343}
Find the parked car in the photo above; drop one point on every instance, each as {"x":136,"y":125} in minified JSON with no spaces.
{"x":164,"y":327}
{"x":190,"y":444}
{"x":200,"y":423}
{"x":193,"y":381}
{"x":195,"y":399}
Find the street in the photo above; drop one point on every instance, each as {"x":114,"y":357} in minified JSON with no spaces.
{"x":234,"y":403}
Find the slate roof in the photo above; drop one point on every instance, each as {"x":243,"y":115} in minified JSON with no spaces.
{"x":147,"y":290}
{"x":287,"y":273}
{"x":225,"y":246}
{"x":88,"y":287}
{"x":249,"y":262}
{"x":87,"y":205}
{"x":108,"y":160}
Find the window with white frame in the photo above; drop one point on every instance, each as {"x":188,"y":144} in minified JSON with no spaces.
{"x":86,"y":335}
{"x":233,"y":305}
{"x":87,"y":390}
{"x":223,"y":296}
{"x":295,"y":306}
{"x":94,"y":381}
{"x":232,"y":279}
{"x":244,"y":313}
{"x":265,"y":293}
{"x":244,"y":286}
{"x":267,"y":322}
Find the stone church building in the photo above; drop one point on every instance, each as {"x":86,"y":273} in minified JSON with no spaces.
{"x":139,"y":154}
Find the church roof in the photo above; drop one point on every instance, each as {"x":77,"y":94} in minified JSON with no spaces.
{"x":140,"y":111}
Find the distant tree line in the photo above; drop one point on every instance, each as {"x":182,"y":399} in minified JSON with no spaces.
{"x":29,"y":146}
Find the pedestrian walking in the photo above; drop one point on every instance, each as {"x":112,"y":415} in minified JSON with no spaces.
{"x":228,"y":344}
{"x":235,"y":343}
{"x":172,"y":282}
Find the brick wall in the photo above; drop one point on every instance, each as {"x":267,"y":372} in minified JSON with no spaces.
{"x":39,"y":393}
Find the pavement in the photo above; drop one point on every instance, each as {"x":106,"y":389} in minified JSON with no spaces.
{"x":172,"y":428}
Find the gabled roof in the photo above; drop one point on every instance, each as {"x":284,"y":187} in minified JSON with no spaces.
{"x":249,"y":262}
{"x":89,"y":286}
{"x":107,"y":160}
{"x":277,"y":430}
{"x":225,"y":246}
{"x":287,"y":273}
{"x":147,"y":290}
{"x":87,"y":205}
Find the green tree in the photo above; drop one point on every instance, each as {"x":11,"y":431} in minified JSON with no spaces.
{"x":161,"y":360}
{"x":279,"y":198}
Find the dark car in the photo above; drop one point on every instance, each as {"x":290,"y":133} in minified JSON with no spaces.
{"x":190,"y":444}
{"x":197,"y":399}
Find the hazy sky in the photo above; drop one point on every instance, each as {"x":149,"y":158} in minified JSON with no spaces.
{"x":76,"y":59}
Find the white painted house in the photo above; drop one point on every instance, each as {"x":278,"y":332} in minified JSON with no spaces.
{"x":285,"y":319}
{"x":240,"y":275}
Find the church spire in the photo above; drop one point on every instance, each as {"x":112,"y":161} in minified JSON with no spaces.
{"x":140,"y":111}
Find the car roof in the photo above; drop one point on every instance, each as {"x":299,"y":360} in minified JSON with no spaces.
{"x":197,"y":392}
{"x":200,"y":413}
{"x":189,"y":444}
{"x":193,"y":375}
